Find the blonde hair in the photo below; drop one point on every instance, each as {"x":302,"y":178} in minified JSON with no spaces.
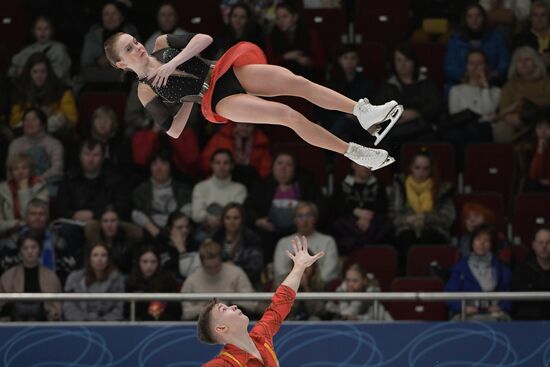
{"x":529,"y":52}
{"x":106,"y":112}
{"x":18,"y":159}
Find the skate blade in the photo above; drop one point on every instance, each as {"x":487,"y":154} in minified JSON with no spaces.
{"x":394,"y":115}
{"x":387,"y":162}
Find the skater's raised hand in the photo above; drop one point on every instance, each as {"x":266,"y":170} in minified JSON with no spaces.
{"x":301,"y":256}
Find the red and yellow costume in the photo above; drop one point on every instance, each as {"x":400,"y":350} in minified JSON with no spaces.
{"x":262,"y":335}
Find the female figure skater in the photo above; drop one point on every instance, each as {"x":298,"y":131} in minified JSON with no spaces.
{"x":229,"y":89}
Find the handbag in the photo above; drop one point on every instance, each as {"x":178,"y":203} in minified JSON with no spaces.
{"x":459,"y":119}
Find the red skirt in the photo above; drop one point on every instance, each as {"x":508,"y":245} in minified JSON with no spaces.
{"x":243,"y":53}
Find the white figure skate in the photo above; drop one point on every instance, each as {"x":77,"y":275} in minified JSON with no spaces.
{"x":371,"y":117}
{"x":371,"y":158}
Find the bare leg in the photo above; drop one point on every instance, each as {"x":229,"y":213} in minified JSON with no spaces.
{"x":252,"y":109}
{"x":272,"y":80}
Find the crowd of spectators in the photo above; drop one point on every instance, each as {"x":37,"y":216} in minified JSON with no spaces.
{"x":111,"y":204}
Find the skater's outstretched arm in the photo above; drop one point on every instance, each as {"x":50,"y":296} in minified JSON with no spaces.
{"x":302,"y":260}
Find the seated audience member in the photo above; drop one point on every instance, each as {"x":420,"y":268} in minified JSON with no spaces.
{"x":215,"y":275}
{"x":122,"y":237}
{"x":539,"y":170}
{"x":527,"y":82}
{"x":537,"y":31}
{"x":250,"y":149}
{"x":240,"y":244}
{"x":475,"y":33}
{"x":56,"y":254}
{"x":159,"y":196}
{"x":89,"y":189}
{"x":348,"y":80}
{"x":241,"y":26}
{"x":534,"y":276}
{"x":270,"y":205}
{"x":176,"y":248}
{"x":38,"y":86}
{"x":94,"y":64}
{"x":45,"y":150}
{"x":212,"y":194}
{"x":305,"y":220}
{"x":148,"y":138}
{"x":481,"y":271}
{"x":30,"y":277}
{"x":167,"y":23}
{"x":147,"y":276}
{"x":360,"y":205}
{"x":357,"y":280}
{"x":56,"y":52}
{"x":104,"y":127}
{"x":98,"y":276}
{"x":309,"y":310}
{"x":292,"y":45}
{"x":421,"y":99}
{"x":421,"y":206}
{"x":15,"y":194}
{"x":505,"y":15}
{"x":473,"y":106}
{"x":473,"y":215}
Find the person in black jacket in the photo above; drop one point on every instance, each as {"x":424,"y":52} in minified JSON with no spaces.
{"x":360,"y":205}
{"x":148,"y":277}
{"x":270,"y":204}
{"x":536,"y":31}
{"x":534,"y":276}
{"x":86,"y":192}
{"x":421,"y":99}
{"x":240,"y":244}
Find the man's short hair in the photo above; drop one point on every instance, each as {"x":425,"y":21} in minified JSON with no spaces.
{"x":545,"y":228}
{"x":307,"y":204}
{"x":210,"y":249}
{"x":91,"y":144}
{"x":37,"y":203}
{"x":204,"y":329}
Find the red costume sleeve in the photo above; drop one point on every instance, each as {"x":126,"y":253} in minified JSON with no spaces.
{"x":273,"y":317}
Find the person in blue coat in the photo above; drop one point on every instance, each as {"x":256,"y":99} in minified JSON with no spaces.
{"x":475,"y":33}
{"x":481,"y":271}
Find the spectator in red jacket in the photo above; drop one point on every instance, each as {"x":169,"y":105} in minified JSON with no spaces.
{"x":250,"y":148}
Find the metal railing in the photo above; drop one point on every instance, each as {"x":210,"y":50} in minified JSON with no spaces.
{"x":376,"y":297}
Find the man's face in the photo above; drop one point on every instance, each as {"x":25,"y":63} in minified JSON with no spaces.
{"x":304,"y":219}
{"x":541,"y":245}
{"x":91,"y":159}
{"x":37,"y":218}
{"x":227,"y":318}
{"x":212,"y":266}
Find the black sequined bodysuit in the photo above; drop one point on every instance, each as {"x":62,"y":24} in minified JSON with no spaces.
{"x":187,"y":82}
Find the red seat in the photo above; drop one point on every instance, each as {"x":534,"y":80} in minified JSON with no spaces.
{"x":531,"y":212}
{"x":89,"y":101}
{"x":309,"y":158}
{"x":373,"y":56}
{"x":420,"y":258}
{"x":489,"y":167}
{"x":514,"y":255}
{"x":432,"y":56}
{"x":385,"y":22}
{"x":427,"y":311}
{"x":492,"y":201}
{"x":330,"y":24}
{"x":442,"y":153}
{"x":202,"y":16}
{"x":379,"y":260}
